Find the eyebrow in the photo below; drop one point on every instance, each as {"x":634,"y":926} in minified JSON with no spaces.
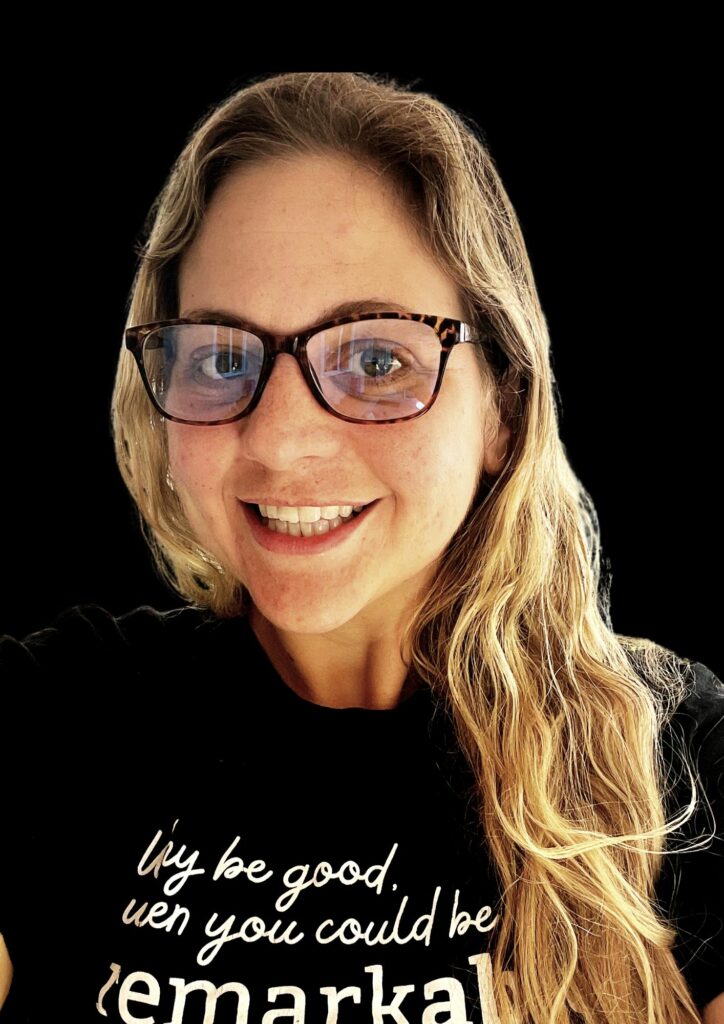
{"x":348,"y":308}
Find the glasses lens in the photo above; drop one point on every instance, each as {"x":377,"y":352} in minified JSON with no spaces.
{"x":376,"y":369}
{"x":379,"y":369}
{"x":202,"y":372}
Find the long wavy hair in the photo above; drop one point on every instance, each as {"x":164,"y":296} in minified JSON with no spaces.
{"x":559,"y":717}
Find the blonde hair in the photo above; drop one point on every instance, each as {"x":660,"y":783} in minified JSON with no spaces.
{"x":558,"y":716}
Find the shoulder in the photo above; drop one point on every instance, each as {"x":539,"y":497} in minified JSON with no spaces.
{"x":88,"y":634}
{"x":703,"y":705}
{"x":94,"y":685}
{"x":90,"y":665}
{"x":689,"y":885}
{"x":697,"y":723}
{"x":692,"y":750}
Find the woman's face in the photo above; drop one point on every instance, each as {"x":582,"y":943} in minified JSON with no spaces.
{"x":280,"y":243}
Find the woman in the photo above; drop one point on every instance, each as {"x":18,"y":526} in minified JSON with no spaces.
{"x":389,"y":761}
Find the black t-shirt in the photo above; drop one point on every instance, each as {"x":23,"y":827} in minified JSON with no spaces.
{"x":185,"y":839}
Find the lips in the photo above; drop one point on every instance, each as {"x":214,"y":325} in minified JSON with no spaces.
{"x":288,"y":544}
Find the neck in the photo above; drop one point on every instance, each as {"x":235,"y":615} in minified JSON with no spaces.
{"x":324,"y":671}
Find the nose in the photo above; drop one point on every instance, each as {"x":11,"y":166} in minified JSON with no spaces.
{"x":288,"y":423}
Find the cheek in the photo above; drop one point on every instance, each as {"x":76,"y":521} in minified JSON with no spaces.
{"x":447,"y":460}
{"x":196,"y":465}
{"x":437,"y":478}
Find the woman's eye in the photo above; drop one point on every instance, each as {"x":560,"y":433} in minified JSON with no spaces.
{"x":375,"y":361}
{"x":222,"y":365}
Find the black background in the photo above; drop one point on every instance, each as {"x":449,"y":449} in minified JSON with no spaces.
{"x":605,"y":162}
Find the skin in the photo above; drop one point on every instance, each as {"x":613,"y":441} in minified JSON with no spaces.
{"x":714,"y":1011}
{"x":6,"y":971}
{"x":280,"y":242}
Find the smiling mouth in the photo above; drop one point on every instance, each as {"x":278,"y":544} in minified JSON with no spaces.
{"x":315,"y":529}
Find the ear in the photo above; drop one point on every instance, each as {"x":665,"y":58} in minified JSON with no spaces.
{"x":503,"y":423}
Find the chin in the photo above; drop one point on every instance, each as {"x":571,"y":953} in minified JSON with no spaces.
{"x":311,"y":619}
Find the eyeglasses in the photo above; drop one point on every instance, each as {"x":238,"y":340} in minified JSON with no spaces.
{"x":365,"y":368}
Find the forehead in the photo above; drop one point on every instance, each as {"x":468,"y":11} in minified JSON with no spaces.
{"x":283,"y":244}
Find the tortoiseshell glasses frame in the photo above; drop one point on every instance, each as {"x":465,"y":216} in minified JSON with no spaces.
{"x":450,"y":332}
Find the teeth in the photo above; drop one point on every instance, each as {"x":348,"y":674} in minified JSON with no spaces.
{"x":305,"y":529}
{"x":311,"y":521}
{"x":307,"y":513}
